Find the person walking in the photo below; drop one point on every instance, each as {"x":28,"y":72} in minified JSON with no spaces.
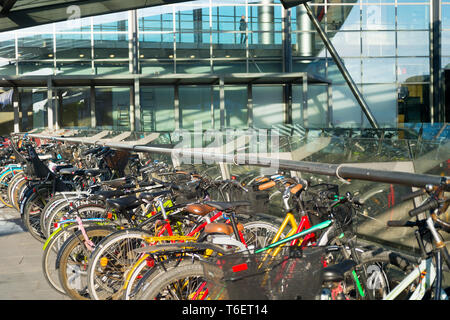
{"x":243,"y":29}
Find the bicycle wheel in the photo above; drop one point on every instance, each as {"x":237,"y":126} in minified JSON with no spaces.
{"x":383,"y":270}
{"x":65,"y":211}
{"x":111,"y":259}
{"x":16,"y":181}
{"x":4,"y":183}
{"x":185,"y":282}
{"x":49,"y":258}
{"x":33,"y":210}
{"x":51,"y":204}
{"x":151,"y":266}
{"x":74,"y":260}
{"x":260,"y":233}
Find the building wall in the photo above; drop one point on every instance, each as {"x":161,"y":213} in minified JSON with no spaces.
{"x":384,"y":45}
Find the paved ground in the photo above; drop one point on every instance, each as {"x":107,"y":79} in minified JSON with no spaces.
{"x":21,"y":276}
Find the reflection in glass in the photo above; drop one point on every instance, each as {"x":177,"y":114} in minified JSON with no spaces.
{"x":195,"y":106}
{"x":112,"y":108}
{"x":413,"y":43}
{"x":74,"y":107}
{"x":378,"y":43}
{"x":413,"y":69}
{"x":413,"y":103}
{"x":378,"y":70}
{"x":268,"y":106}
{"x":157,"y":112}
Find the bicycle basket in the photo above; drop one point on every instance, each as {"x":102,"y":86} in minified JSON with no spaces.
{"x":295,"y":275}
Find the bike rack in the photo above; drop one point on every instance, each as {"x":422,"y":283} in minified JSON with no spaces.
{"x":339,"y":171}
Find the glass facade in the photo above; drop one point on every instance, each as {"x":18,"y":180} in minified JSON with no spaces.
{"x":385,"y":45}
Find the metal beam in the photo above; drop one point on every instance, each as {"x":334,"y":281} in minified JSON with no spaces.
{"x":353,"y":87}
{"x":7,"y":6}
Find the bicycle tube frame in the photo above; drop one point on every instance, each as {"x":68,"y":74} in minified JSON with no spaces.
{"x":426,"y":271}
{"x":316,"y":227}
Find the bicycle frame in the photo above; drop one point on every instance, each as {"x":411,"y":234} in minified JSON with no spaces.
{"x":426,"y":273}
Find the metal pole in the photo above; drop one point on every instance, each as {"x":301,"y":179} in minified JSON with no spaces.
{"x":353,"y":87}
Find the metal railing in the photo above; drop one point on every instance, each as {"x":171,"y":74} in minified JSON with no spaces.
{"x":339,"y":171}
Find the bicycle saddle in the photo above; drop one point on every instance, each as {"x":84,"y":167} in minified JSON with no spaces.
{"x":149,"y":196}
{"x":336,"y":272}
{"x":123,"y":204}
{"x":227,"y":205}
{"x":199,"y":209}
{"x":220,"y":227}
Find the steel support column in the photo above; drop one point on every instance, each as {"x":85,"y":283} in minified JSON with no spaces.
{"x":353,"y":87}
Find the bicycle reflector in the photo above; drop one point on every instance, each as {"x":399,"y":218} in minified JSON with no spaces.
{"x":240,"y":267}
{"x":103,"y":261}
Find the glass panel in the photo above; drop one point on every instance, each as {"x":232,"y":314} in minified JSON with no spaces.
{"x":378,"y":43}
{"x":382,"y":100}
{"x":112,"y":108}
{"x":343,"y":18}
{"x":152,"y":45}
{"x":420,"y":46}
{"x":373,"y":73}
{"x":75,"y":110}
{"x":35,"y":47}
{"x":378,"y":17}
{"x":413,"y":103}
{"x":68,"y":68}
{"x":111,"y":22}
{"x":157,"y":109}
{"x":346,"y":111}
{"x":411,"y":17}
{"x":195,"y":106}
{"x":111,"y":46}
{"x":193,"y":66}
{"x":112,"y":68}
{"x":7,"y":46}
{"x":413,"y":69}
{"x":353,"y":66}
{"x":445,"y":43}
{"x":445,"y":16}
{"x":235,"y":107}
{"x":73,"y":46}
{"x":347,"y":44}
{"x":317,"y":106}
{"x":157,"y":67}
{"x":74,"y":25}
{"x":268,"y":106}
{"x":33,"y":106}
{"x":224,"y":67}
{"x":256,"y":66}
{"x":36,"y":68}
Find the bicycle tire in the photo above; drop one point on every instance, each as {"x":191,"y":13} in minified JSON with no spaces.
{"x":49,"y":257}
{"x":33,"y":211}
{"x":61,"y":210}
{"x":104,"y":282}
{"x":193,"y":274}
{"x":74,"y":259}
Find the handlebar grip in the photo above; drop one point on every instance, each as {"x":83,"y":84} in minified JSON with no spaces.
{"x":266,"y":185}
{"x":297,"y":188}
{"x":400,"y":223}
{"x":413,"y":195}
{"x":429,"y":205}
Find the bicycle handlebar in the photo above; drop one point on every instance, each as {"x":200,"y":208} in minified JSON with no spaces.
{"x":430,"y":204}
{"x":413,"y":195}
